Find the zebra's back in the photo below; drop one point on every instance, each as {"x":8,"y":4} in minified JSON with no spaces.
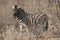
{"x":39,"y":23}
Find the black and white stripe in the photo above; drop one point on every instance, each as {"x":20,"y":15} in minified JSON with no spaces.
{"x":37,"y":20}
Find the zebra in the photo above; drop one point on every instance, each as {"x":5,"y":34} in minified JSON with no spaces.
{"x":34,"y":21}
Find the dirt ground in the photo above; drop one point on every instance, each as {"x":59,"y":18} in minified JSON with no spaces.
{"x":10,"y":28}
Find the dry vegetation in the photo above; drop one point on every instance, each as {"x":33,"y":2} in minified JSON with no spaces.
{"x":11,"y":29}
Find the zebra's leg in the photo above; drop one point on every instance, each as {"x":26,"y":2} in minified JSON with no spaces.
{"x":46,"y":25}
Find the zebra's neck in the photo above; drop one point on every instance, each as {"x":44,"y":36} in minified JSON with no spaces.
{"x":26,"y":19}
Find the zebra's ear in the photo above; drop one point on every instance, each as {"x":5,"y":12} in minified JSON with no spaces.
{"x":13,"y":7}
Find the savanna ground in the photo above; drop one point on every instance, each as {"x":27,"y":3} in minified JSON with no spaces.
{"x":10,"y":28}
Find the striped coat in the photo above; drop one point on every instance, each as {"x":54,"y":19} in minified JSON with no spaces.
{"x":36,"y":22}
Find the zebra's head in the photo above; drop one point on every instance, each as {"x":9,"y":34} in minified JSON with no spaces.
{"x":19,"y":12}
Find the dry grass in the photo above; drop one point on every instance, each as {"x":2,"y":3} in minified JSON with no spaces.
{"x":11,"y":30}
